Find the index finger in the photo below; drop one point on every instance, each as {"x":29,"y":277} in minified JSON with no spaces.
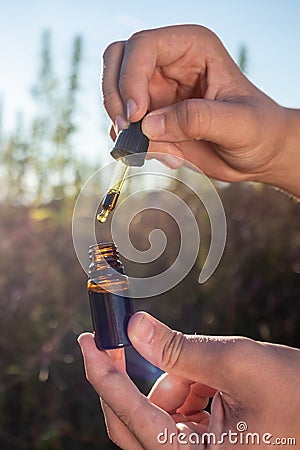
{"x":112,"y":60}
{"x":127,"y":70}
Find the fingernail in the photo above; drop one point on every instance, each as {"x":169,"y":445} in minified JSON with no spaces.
{"x":154,"y":125}
{"x":131,"y":108}
{"x":120,"y":124}
{"x":142,"y":327}
{"x":81,"y":338}
{"x":78,"y":340}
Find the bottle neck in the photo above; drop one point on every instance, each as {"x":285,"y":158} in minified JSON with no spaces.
{"x":106,"y":271}
{"x":103,"y":255}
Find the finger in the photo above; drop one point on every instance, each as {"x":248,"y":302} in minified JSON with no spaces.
{"x":166,"y":390}
{"x":112,"y":133}
{"x":167,"y":153}
{"x":113,"y":103}
{"x":159,"y":48}
{"x":136,"y":72}
{"x":223,"y":363}
{"x":197,"y":399}
{"x":202,"y":417}
{"x":141,"y":417}
{"x":170,"y":392}
{"x":204,"y":155}
{"x":115,"y":427}
{"x":200,"y":153}
{"x":176,"y":394}
{"x":190,"y":435}
{"x":117,"y":431}
{"x":228,"y":124}
{"x":218,"y":414}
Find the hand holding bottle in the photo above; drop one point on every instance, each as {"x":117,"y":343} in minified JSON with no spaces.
{"x":251,"y":382}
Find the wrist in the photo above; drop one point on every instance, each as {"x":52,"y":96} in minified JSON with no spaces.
{"x":284,"y":172}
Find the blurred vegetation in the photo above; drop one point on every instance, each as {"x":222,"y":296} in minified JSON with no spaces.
{"x":45,"y":402}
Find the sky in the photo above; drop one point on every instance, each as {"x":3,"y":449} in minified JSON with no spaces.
{"x":269,"y":29}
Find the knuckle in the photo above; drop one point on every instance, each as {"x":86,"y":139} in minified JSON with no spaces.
{"x":91,"y":376}
{"x":124,"y":80}
{"x":109,"y":98}
{"x":136,"y":37}
{"x":113,"y":435}
{"x":116,"y":436}
{"x":195,"y":118}
{"x":129,"y":415}
{"x":209,"y":34}
{"x":110,"y":50}
{"x":171,"y":350}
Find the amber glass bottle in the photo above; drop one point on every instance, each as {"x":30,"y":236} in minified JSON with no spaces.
{"x":110,"y":301}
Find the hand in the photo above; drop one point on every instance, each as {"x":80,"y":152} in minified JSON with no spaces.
{"x":252,"y":382}
{"x":203,"y":108}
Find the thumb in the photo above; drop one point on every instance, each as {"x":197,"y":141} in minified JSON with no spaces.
{"x":226,"y":123}
{"x":222,"y":363}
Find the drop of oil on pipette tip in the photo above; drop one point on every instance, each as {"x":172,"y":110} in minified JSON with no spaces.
{"x":102,"y":216}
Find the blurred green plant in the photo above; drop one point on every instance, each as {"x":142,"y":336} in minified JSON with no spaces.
{"x":243,"y":58}
{"x":39,"y":163}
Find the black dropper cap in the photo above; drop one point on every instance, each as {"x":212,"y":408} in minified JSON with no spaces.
{"x":131,"y":145}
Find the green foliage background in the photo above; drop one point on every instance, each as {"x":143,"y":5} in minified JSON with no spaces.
{"x":45,"y":402}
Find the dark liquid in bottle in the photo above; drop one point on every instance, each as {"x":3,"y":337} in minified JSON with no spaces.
{"x":106,"y":309}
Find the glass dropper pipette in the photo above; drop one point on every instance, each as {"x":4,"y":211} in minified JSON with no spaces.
{"x":110,"y":200}
{"x":130,"y":149}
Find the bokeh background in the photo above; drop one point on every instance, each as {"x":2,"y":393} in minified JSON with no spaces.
{"x":53,"y":135}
